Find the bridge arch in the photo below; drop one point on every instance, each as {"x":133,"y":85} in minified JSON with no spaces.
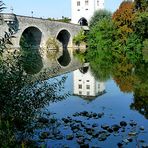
{"x":64,"y":37}
{"x":83,"y":21}
{"x":31,"y":36}
{"x":30,"y":42}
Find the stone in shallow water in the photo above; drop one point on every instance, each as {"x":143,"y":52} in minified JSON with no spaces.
{"x":133,"y":123}
{"x":84,"y":145}
{"x":109,"y":130}
{"x":84,"y":113}
{"x":125,"y":141}
{"x":142,"y":128}
{"x":132,"y":133}
{"x":130,"y":139}
{"x":105,"y":126}
{"x":100,"y":114}
{"x":103,"y":136}
{"x":66,"y":120}
{"x":119,"y":144}
{"x":80,"y":140}
{"x":95,"y":125}
{"x":76,"y":114}
{"x":115,"y":127}
{"x":69,"y":137}
{"x":94,"y":114}
{"x":123,"y":123}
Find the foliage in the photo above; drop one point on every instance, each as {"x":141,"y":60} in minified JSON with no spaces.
{"x":2,"y":6}
{"x":6,"y":40}
{"x":53,"y":44}
{"x":101,"y":38}
{"x":145,"y":50}
{"x":63,"y":19}
{"x":100,"y":46}
{"x":141,"y":5}
{"x":80,"y":37}
{"x":98,"y":16}
{"x":140,"y":91}
{"x":21,"y":95}
{"x":80,"y":56}
{"x":140,"y":24}
{"x":123,"y":18}
{"x":133,"y":48}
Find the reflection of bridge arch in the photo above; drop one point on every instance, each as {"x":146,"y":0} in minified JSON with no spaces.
{"x":84,"y":70}
{"x":31,"y":36}
{"x":64,"y":37}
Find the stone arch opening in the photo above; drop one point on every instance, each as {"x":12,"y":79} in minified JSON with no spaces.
{"x":84,"y":70}
{"x":30,"y":50}
{"x":83,"y":21}
{"x":64,"y":37}
{"x":31,"y":36}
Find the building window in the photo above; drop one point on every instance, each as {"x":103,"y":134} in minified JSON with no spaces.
{"x":80,"y":92}
{"x":87,"y":86}
{"x":87,"y":81}
{"x":86,"y":2}
{"x":80,"y":86}
{"x":98,"y":2}
{"x":78,"y":3}
{"x":86,"y":9}
{"x":79,"y":10}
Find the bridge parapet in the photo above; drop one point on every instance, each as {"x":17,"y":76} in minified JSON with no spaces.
{"x":9,"y":18}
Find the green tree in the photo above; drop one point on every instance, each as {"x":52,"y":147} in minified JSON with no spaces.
{"x":99,"y":15}
{"x":101,"y":42}
{"x":140,"y":24}
{"x":133,"y":48}
{"x":145,"y":50}
{"x":141,"y":5}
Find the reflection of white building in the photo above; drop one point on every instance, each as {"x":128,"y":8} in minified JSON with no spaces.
{"x":85,"y":84}
{"x":84,"y":9}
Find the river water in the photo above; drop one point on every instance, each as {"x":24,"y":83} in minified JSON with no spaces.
{"x":94,"y":114}
{"x":69,"y":106}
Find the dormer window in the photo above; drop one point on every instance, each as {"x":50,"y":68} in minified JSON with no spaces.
{"x":86,"y":2}
{"x":78,"y":3}
{"x":98,"y":2}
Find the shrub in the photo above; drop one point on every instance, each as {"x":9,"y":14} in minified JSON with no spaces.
{"x":99,"y":15}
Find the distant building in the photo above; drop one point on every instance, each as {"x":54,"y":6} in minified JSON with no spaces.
{"x":83,"y":10}
{"x":85,"y":85}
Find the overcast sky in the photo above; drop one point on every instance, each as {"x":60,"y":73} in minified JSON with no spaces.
{"x":49,"y":8}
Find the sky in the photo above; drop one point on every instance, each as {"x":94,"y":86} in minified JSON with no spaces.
{"x":49,"y":8}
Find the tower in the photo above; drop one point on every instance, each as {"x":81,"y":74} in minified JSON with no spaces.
{"x":83,"y":10}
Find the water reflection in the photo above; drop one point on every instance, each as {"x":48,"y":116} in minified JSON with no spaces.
{"x":85,"y":85}
{"x":30,"y":50}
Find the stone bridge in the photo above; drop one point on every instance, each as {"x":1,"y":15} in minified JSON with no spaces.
{"x":39,"y":29}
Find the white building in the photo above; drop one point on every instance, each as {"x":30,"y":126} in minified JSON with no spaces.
{"x":83,"y":10}
{"x":85,"y":85}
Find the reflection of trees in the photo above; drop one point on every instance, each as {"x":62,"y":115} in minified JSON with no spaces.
{"x":129,"y":78}
{"x":124,"y":76}
{"x":101,"y":66}
{"x":31,"y":57}
{"x":21,"y":99}
{"x":141,"y":90}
